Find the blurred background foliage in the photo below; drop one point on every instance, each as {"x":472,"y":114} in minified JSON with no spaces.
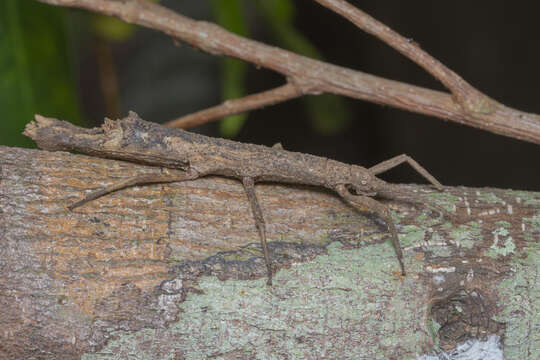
{"x":39,"y":64}
{"x":37,"y":70}
{"x":80,"y":66}
{"x":231,"y":15}
{"x":328,"y":113}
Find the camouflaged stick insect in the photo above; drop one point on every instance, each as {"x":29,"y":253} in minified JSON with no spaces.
{"x":136,"y":140}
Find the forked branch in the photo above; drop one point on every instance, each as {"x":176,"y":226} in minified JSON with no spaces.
{"x":467,"y":96}
{"x":466,"y":105}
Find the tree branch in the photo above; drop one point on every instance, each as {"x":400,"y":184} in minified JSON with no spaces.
{"x":174,"y":270}
{"x":315,"y":77}
{"x":237,"y":106}
{"x":467,"y":96}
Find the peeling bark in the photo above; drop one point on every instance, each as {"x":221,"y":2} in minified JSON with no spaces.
{"x":175,"y":271}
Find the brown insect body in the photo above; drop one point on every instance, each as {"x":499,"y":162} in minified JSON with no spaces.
{"x":207,"y":155}
{"x":136,"y":140}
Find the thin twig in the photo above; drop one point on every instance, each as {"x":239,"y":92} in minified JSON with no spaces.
{"x":315,"y":77}
{"x":465,"y":94}
{"x":237,"y":106}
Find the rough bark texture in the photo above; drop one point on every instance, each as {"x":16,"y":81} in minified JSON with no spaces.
{"x":175,"y":271}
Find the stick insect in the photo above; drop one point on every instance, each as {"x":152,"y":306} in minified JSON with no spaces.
{"x":136,"y":140}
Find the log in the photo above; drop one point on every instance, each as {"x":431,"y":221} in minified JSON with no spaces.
{"x":174,"y":271}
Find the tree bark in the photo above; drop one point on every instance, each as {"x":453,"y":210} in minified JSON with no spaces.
{"x":175,"y":271}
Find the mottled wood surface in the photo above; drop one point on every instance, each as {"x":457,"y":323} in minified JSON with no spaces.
{"x":175,"y":271}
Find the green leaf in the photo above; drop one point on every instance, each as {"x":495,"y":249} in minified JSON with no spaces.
{"x":279,"y":16}
{"x":111,"y":29}
{"x":329,"y":113}
{"x":35,"y":68}
{"x":277,"y":11}
{"x":232,"y":86}
{"x":230,"y":15}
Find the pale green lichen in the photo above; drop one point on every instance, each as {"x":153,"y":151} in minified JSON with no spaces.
{"x":467,"y":235}
{"x":446,"y":200}
{"x":438,"y":246}
{"x":295,"y":317}
{"x":533,"y":222}
{"x":501,"y":246}
{"x":527,"y":198}
{"x":433,"y":328}
{"x":508,"y":248}
{"x":428,"y":221}
{"x":441,"y":252}
{"x":520,"y":295}
{"x":500,"y":232}
{"x":411,"y":235}
{"x":490,"y":198}
{"x":504,"y":224}
{"x":534,"y":225}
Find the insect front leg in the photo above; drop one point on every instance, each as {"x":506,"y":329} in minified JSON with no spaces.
{"x":400,"y":159}
{"x":368,"y":204}
{"x":133,"y":181}
{"x":249,"y":186}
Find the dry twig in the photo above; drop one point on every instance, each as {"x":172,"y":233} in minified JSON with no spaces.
{"x":466,"y":106}
{"x":236,"y":106}
{"x":467,"y":96}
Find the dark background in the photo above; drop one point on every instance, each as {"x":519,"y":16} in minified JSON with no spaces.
{"x":492,"y":44}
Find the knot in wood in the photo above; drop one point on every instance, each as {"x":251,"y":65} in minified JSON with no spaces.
{"x":464,"y":315}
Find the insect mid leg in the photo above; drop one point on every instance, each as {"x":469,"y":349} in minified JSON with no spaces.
{"x":249,"y":186}
{"x":136,"y":180}
{"x":366,"y":203}
{"x":400,"y":159}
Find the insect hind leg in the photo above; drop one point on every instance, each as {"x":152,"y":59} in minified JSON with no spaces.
{"x":133,"y":181}
{"x":372,"y":205}
{"x":249,"y":186}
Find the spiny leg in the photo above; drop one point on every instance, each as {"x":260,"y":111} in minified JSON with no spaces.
{"x":368,"y":204}
{"x":249,"y":186}
{"x":395,"y":161}
{"x":136,"y":180}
